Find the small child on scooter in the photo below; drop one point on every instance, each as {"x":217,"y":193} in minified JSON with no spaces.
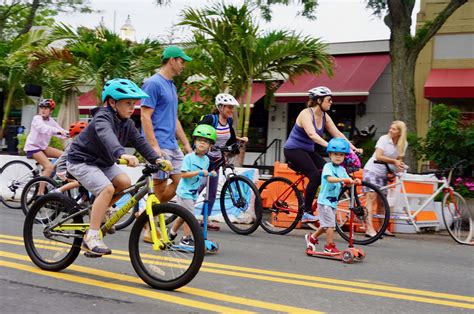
{"x":333,"y":177}
{"x":194,"y":167}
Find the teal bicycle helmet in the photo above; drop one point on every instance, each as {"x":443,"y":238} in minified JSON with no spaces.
{"x":122,"y":89}
{"x":338,"y":145}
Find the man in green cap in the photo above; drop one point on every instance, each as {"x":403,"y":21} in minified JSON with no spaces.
{"x":159,"y":117}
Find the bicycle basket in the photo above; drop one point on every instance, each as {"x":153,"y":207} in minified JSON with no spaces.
{"x":352,"y":162}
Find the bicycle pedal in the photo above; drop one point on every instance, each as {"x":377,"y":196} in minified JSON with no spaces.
{"x":91,"y":255}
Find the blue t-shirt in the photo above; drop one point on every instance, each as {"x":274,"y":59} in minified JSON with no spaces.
{"x":329,"y":193}
{"x":164,"y":100}
{"x":188,"y":187}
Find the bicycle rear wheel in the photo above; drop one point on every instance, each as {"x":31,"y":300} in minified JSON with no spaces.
{"x":48,"y":249}
{"x":172,"y":266}
{"x":457,"y":218}
{"x":281,"y":205}
{"x":31,"y":191}
{"x":241,"y":205}
{"x":379,"y":217}
{"x":15,"y":174}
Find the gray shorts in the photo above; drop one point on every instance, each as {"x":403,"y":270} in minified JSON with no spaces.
{"x":175,"y":156}
{"x":327,"y":216}
{"x":94,"y":178}
{"x":374,"y":178}
{"x":187,"y":203}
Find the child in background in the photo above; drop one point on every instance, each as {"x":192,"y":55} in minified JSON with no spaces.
{"x":43,"y":127}
{"x":195,"y":166}
{"x":333,"y":176}
{"x":74,"y":129}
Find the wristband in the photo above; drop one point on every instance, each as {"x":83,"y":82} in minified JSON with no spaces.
{"x":201,"y":173}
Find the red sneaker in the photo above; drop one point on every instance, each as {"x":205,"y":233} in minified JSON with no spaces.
{"x":331,"y":248}
{"x":311,"y":242}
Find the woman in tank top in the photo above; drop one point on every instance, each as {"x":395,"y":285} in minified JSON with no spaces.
{"x":308,"y":130}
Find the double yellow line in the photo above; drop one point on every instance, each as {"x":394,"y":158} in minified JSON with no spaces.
{"x":379,"y":290}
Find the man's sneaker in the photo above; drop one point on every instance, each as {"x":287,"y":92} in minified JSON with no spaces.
{"x":108,"y":214}
{"x":331,"y":248}
{"x":311,"y":242}
{"x":187,"y":241}
{"x":95,"y":245}
{"x":307,"y":217}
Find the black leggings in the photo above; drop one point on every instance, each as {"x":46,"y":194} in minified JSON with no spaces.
{"x":311,"y":164}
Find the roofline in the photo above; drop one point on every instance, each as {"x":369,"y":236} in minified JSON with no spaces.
{"x":334,"y":94}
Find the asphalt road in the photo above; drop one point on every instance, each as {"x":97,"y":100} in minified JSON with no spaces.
{"x":421,"y":273}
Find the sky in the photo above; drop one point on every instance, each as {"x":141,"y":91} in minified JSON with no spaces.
{"x":337,"y":20}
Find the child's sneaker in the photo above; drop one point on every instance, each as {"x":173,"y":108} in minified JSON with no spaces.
{"x":187,"y":241}
{"x":307,"y":217}
{"x":95,"y":245}
{"x":171,"y":236}
{"x":331,"y":248}
{"x":311,"y":242}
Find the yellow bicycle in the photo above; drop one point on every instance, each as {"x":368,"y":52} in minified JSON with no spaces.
{"x":55,"y":226}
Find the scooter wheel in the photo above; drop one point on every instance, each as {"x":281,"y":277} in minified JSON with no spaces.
{"x":347,"y":256}
{"x":361,"y":255}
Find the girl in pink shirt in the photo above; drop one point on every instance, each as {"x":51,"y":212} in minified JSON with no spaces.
{"x":43,"y":127}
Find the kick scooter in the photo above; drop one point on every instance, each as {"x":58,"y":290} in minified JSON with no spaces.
{"x":351,"y":253}
{"x":211,"y":246}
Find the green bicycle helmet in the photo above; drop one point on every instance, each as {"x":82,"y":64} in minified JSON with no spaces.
{"x":205,"y":131}
{"x":122,"y":89}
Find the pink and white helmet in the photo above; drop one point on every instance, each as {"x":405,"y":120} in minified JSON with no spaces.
{"x":226,"y":99}
{"x":320,"y":91}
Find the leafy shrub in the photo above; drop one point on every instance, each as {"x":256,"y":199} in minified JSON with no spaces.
{"x":55,"y":142}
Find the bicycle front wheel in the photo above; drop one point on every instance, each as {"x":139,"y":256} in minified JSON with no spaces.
{"x":457,"y":218}
{"x":32,"y":191}
{"x":15,"y":174}
{"x":241,"y":205}
{"x":172,"y":266}
{"x":281,"y":205}
{"x":378,"y":216}
{"x":49,"y":249}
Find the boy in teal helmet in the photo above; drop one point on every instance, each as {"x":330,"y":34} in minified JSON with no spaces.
{"x":194,"y":167}
{"x":332,"y":178}
{"x":93,"y":154}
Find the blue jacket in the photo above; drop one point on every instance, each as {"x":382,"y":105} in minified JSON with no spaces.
{"x":102,"y":142}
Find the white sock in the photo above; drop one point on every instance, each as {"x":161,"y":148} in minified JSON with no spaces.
{"x":92,"y":233}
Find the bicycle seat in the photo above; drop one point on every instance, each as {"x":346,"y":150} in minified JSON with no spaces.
{"x":294,"y":168}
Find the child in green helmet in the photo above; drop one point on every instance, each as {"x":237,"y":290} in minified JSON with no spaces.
{"x":194,"y":167}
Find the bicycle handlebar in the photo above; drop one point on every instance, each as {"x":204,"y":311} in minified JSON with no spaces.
{"x":162,"y":164}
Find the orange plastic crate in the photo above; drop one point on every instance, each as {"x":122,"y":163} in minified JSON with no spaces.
{"x":419,"y":188}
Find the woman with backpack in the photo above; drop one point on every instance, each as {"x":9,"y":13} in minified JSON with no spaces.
{"x":221,"y":120}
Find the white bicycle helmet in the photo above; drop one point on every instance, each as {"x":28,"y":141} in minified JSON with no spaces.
{"x":320,"y":91}
{"x":226,"y":99}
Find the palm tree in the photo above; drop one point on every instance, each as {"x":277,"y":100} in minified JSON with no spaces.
{"x":250,"y":55}
{"x":15,"y":65}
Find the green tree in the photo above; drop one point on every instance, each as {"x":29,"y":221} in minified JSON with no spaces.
{"x":404,"y":48}
{"x":14,"y":66}
{"x":17,"y":17}
{"x":251,"y":55}
{"x":447,"y":140}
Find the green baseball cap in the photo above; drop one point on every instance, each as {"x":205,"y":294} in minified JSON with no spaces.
{"x":175,"y":52}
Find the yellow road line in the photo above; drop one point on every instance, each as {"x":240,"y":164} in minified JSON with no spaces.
{"x":292,"y":276}
{"x":127,"y":289}
{"x":187,"y":290}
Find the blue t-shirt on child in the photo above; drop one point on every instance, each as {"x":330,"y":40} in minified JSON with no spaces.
{"x":329,"y":193}
{"x":188,"y":187}
{"x":164,"y":100}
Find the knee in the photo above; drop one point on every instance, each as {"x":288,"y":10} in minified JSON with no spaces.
{"x":108,"y":190}
{"x":123,"y":183}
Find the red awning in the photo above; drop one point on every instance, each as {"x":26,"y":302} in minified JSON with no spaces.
{"x":353,"y":78}
{"x":88,"y":101}
{"x":258,"y":91}
{"x":450,"y":83}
